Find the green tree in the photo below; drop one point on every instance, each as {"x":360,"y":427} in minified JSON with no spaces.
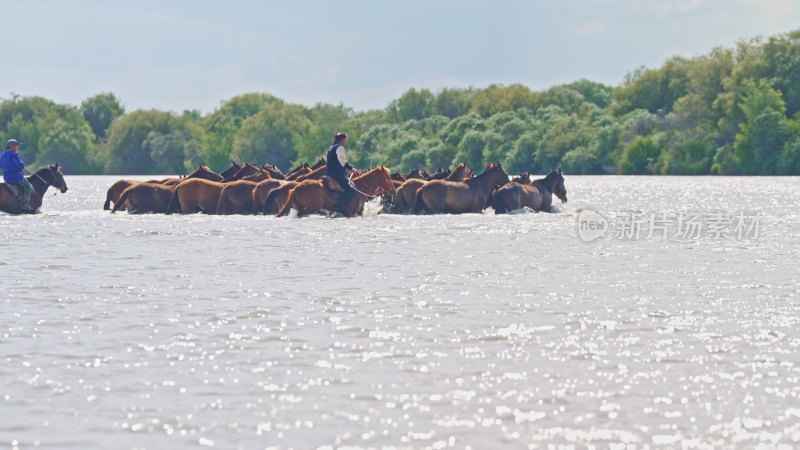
{"x":471,"y":148}
{"x":66,"y":138}
{"x":498,"y":98}
{"x":655,"y":90}
{"x":413,"y":104}
{"x":639,"y":155}
{"x":325,"y":121}
{"x":223,"y":125}
{"x":441,"y":155}
{"x":19,"y":120}
{"x":413,"y":159}
{"x":100,"y":110}
{"x":764,"y":131}
{"x":126,"y":151}
{"x":725,"y":162}
{"x":569,"y":100}
{"x":593,"y":92}
{"x":789,"y":162}
{"x":272,"y":135}
{"x":453,"y":103}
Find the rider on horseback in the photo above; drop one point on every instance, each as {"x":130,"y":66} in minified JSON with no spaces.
{"x":12,"y":172}
{"x":337,"y":169}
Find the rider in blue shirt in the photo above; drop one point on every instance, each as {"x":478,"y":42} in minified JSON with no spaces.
{"x":13,"y":172}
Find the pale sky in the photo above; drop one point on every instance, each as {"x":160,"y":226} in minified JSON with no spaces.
{"x":193,"y":54}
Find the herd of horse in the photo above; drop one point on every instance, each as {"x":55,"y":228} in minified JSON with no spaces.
{"x":245,"y":188}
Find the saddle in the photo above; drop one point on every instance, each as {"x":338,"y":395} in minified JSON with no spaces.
{"x":332,"y":185}
{"x":15,"y":190}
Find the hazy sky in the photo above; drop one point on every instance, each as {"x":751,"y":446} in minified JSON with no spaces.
{"x":190,"y":54}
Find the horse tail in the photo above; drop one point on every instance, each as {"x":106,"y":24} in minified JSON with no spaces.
{"x":122,"y":199}
{"x":509,"y":198}
{"x":221,"y":203}
{"x":419,"y":203}
{"x":286,"y":207}
{"x":174,"y":202}
{"x":254,"y":195}
{"x":399,"y":201}
{"x":270,"y":199}
{"x":499,"y":201}
{"x":107,"y":204}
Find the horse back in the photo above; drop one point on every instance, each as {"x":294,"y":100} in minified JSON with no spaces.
{"x":536,"y":199}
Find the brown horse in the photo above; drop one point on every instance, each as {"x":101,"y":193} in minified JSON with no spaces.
{"x":278,"y":196}
{"x":440,"y":174}
{"x":320,"y":162}
{"x":248,"y":169}
{"x":41,"y":180}
{"x":258,"y":177}
{"x":235,"y":167}
{"x":315,"y":174}
{"x":144,"y":198}
{"x":537,"y":196}
{"x":414,"y":173}
{"x":237,"y":197}
{"x":440,"y":196}
{"x":397,"y":176}
{"x":299,"y":172}
{"x":274,"y":172}
{"x":407,"y":193}
{"x":262,"y":190}
{"x":522,"y":178}
{"x":115,"y":191}
{"x":195,"y":195}
{"x":312,"y":196}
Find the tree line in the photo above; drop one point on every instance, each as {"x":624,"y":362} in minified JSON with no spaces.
{"x":735,"y":110}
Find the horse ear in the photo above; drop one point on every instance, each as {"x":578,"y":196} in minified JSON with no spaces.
{"x":56,"y":165}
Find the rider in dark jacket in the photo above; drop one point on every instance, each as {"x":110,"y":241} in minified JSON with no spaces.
{"x":337,"y":169}
{"x":12,"y":172}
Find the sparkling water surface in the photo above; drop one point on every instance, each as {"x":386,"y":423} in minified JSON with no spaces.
{"x":481,"y":331}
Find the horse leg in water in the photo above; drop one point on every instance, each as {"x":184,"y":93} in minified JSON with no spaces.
{"x":400,"y":204}
{"x":223,"y":202}
{"x":433,"y":199}
{"x":511,"y":197}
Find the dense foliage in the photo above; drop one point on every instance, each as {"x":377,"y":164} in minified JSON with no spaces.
{"x":732,"y":111}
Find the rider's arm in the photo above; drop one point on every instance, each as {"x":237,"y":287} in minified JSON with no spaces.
{"x":341,"y":155}
{"x":18,"y":162}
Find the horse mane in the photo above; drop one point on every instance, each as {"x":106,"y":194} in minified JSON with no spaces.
{"x":548,"y":181}
{"x":490,"y":168}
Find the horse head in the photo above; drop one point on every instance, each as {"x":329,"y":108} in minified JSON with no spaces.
{"x":558,"y":187}
{"x":53,"y":177}
{"x":380,"y":177}
{"x":205,"y":173}
{"x":398,"y":176}
{"x":414,"y":173}
{"x":496,"y":173}
{"x":523,"y":178}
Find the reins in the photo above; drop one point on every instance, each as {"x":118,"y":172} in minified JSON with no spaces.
{"x":378,"y":191}
{"x":46,"y":184}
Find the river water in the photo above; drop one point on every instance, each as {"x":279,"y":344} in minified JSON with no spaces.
{"x":481,"y":331}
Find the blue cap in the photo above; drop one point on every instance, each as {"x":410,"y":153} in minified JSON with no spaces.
{"x":12,"y":142}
